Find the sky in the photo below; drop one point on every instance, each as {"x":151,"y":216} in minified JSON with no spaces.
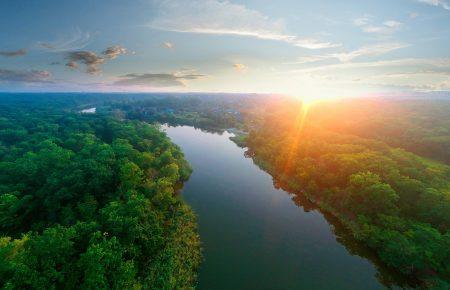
{"x":302,"y":48}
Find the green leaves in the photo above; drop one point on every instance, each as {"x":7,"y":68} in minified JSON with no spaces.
{"x":90,"y":202}
{"x":368,"y":195}
{"x":395,"y":201}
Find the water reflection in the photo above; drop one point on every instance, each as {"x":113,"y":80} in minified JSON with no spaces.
{"x":387,"y":276}
{"x":257,"y":236}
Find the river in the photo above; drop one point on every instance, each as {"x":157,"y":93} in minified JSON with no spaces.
{"x":254,"y":236}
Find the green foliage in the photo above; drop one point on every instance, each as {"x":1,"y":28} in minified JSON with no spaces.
{"x":396,"y":202}
{"x":87,"y":202}
{"x":369,"y":196}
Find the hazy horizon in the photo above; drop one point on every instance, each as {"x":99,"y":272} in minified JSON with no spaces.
{"x":316,"y":50}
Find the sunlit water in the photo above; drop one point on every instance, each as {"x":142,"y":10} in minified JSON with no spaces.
{"x":253,"y":235}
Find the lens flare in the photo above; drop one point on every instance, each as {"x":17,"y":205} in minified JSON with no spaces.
{"x":297,"y":130}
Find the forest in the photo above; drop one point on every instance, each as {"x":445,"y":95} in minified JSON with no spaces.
{"x":379,"y":166}
{"x":89,"y":201}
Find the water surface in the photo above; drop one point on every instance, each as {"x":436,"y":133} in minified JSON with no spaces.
{"x":255,"y":236}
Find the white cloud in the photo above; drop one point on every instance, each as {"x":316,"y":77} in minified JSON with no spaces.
{"x":387,"y":27}
{"x":393,"y":24}
{"x":370,"y":50}
{"x":310,"y":59}
{"x":225,"y":18}
{"x":426,"y":80}
{"x":313,"y":43}
{"x":362,"y":21}
{"x":418,"y":74}
{"x":440,"y":3}
{"x":423,"y":63}
{"x":168,"y":45}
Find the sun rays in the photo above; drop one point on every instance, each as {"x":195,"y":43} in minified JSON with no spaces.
{"x":297,"y":131}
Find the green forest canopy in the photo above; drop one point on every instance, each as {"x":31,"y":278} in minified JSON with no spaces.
{"x":338,"y":154}
{"x":88,"y":199}
{"x":88,"y":202}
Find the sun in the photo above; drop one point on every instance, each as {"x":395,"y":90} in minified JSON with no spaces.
{"x":310,"y":94}
{"x":309,"y":100}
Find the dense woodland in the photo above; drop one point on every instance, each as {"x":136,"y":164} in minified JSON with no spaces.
{"x":88,"y":202}
{"x":418,"y":126}
{"x":355,"y":160}
{"x":211,"y":112}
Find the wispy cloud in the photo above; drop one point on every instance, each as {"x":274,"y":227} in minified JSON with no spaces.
{"x":23,"y":76}
{"x":74,"y":40}
{"x":157,"y":79}
{"x":423,"y":63}
{"x":361,"y":21}
{"x":225,"y":18}
{"x":309,"y":59}
{"x":367,"y":25}
{"x":416,"y":74}
{"x":386,"y":27}
{"x":13,"y":53}
{"x":369,"y":50}
{"x":438,"y":3}
{"x":423,"y":80}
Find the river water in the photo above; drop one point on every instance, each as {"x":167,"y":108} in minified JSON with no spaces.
{"x":254,"y":236}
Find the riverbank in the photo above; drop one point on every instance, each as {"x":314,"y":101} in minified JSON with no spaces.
{"x":391,"y":276}
{"x":249,"y":228}
{"x":361,"y":193}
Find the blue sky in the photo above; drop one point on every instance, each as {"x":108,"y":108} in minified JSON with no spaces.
{"x":305,"y":48}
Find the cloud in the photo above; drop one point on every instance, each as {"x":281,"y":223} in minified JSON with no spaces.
{"x":438,"y":3}
{"x":310,"y":59}
{"x":239,"y":66}
{"x":371,"y":50}
{"x":32,"y":76}
{"x":89,"y":58}
{"x":157,"y":80}
{"x":72,"y":64}
{"x":422,"y":79}
{"x":387,"y":27}
{"x":361,"y":21}
{"x":313,"y":43}
{"x":74,"y":40}
{"x":435,"y":64}
{"x":430,"y":74}
{"x":413,"y":15}
{"x":225,"y":18}
{"x":13,"y":53}
{"x":114,"y":51}
{"x":168,"y":45}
